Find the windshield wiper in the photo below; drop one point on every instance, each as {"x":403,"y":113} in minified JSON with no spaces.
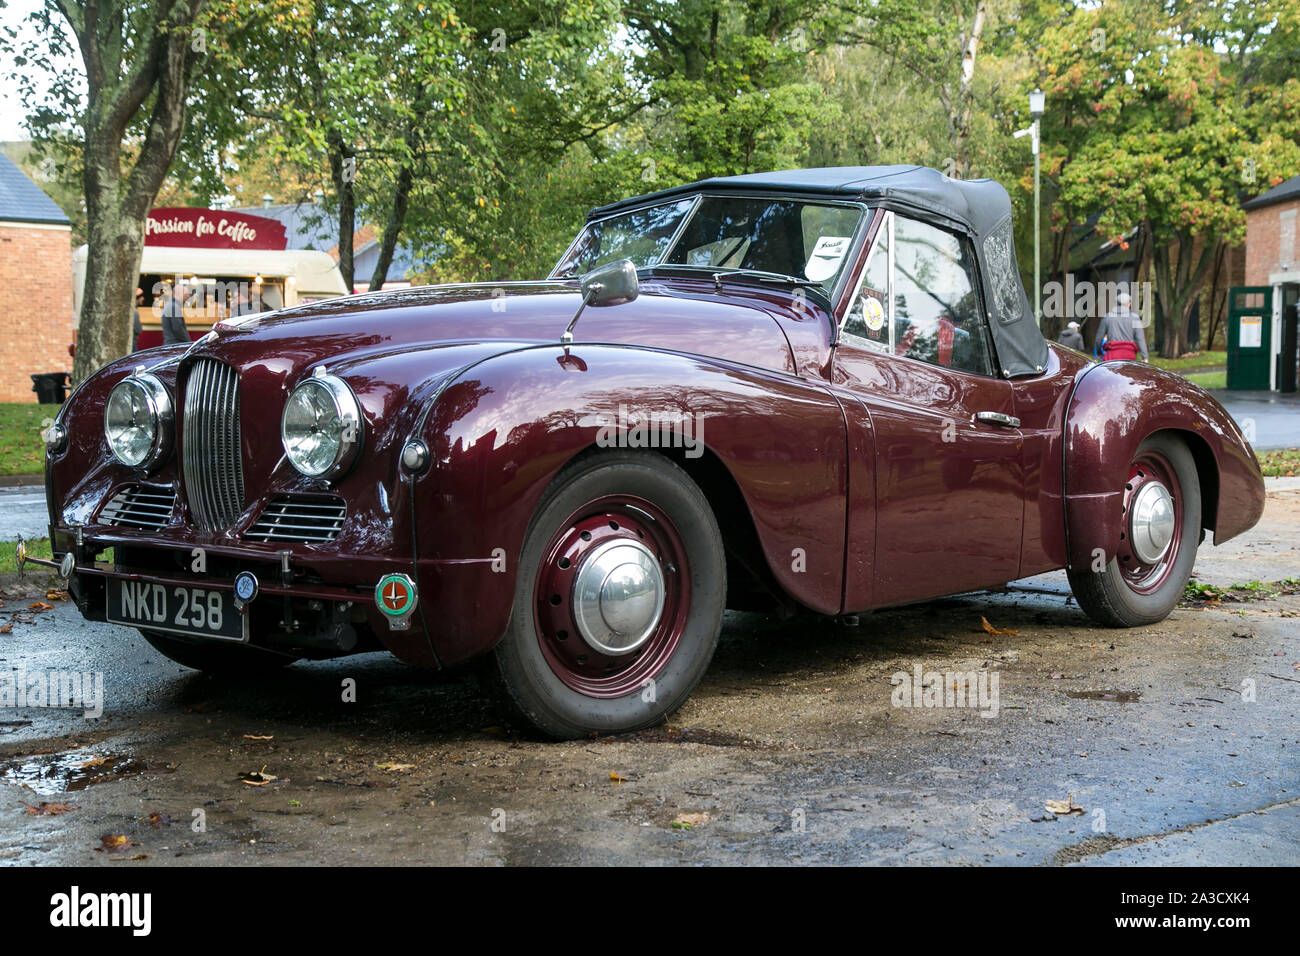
{"x":782,"y":279}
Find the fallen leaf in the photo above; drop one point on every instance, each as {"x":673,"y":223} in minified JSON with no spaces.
{"x":990,"y":629}
{"x":689,"y":821}
{"x":258,"y":778}
{"x":613,"y":775}
{"x":47,"y":809}
{"x":56,"y":595}
{"x":1064,"y":807}
{"x":112,"y":843}
{"x":158,"y":820}
{"x":256,"y":737}
{"x":40,"y":606}
{"x":6,"y":628}
{"x":93,"y":762}
{"x":396,"y":767}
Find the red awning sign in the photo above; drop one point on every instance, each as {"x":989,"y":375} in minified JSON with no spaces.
{"x":212,"y":229}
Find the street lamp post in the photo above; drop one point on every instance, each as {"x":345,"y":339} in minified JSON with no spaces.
{"x":1036,"y":103}
{"x":1036,"y":111}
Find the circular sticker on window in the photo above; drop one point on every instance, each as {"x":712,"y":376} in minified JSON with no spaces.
{"x":873,"y":313}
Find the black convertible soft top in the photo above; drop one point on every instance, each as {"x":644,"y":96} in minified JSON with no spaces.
{"x":979,"y":208}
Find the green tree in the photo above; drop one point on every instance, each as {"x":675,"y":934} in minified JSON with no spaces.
{"x":138,"y":61}
{"x":1171,"y":146}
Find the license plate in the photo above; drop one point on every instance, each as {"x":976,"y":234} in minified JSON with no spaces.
{"x":195,"y":612}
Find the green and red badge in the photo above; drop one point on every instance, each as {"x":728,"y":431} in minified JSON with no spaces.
{"x":396,"y":596}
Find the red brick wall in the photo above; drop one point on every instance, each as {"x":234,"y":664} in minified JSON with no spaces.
{"x":36,"y":319}
{"x":1263,"y":237}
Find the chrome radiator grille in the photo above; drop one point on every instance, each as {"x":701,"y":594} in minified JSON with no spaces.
{"x":140,"y":506}
{"x":212,"y":462}
{"x":297,"y":518}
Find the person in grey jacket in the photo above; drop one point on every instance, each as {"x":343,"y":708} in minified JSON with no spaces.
{"x":1072,"y":338}
{"x":1122,"y":324}
{"x":173,"y":318}
{"x":136,"y":327}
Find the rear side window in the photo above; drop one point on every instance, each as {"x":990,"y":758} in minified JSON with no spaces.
{"x":919,"y":298}
{"x":937,"y":317}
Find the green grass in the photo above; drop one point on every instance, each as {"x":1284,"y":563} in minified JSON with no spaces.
{"x":36,"y":548}
{"x":1280,"y":463}
{"x":1217,"y":379}
{"x":1197,"y":593}
{"x":1194,"y":360}
{"x":22,"y":450}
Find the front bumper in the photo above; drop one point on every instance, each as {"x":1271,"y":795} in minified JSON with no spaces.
{"x":309,"y":588}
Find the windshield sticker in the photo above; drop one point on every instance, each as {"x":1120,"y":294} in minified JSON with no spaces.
{"x":826,"y":257}
{"x":873,"y":314}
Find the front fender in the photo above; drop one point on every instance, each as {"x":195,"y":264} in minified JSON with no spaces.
{"x":502,"y":430}
{"x":1114,"y":408}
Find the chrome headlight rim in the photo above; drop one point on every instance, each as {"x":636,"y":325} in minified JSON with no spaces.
{"x":348,"y":410}
{"x":162,"y":415}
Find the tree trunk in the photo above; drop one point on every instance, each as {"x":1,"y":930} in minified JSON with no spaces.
{"x":116,"y":204}
{"x":340,"y":153}
{"x":966,"y":95}
{"x":113,"y":248}
{"x":1177,"y":286}
{"x":392,"y":228}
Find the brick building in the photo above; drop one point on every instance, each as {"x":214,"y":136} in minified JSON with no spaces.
{"x":36,"y":321}
{"x":1273,"y":275}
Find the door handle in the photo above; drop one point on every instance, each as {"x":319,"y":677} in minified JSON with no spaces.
{"x":997,"y":418}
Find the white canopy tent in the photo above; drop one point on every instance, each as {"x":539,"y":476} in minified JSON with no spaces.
{"x":306,"y":274}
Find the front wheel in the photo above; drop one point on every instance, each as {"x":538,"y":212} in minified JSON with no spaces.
{"x":619,"y":599}
{"x":1161,"y":512}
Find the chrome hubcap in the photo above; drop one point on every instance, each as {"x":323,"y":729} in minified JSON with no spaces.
{"x":618,"y":596}
{"x":1151,"y":522}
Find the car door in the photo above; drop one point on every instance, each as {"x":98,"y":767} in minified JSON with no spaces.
{"x":914,"y":350}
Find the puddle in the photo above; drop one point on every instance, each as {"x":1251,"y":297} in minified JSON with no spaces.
{"x":1118,"y":696}
{"x":67,"y":772}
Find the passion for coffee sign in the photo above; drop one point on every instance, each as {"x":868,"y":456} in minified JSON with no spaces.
{"x":212,"y":229}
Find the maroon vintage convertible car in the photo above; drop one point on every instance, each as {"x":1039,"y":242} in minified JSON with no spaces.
{"x":817,"y":389}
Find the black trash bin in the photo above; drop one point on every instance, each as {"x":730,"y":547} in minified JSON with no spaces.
{"x":51,"y":388}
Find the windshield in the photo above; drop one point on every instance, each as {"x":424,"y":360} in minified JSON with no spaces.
{"x":804,"y":240}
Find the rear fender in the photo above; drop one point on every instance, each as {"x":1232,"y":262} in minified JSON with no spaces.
{"x":1114,"y":408}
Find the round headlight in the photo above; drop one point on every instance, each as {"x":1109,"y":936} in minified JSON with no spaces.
{"x":321,"y":426}
{"x":138,"y":421}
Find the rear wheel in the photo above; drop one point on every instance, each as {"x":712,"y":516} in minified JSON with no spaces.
{"x":1161,"y":511}
{"x":214,"y":658}
{"x":618,"y":602}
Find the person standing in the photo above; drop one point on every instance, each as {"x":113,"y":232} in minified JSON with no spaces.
{"x":173,"y":317}
{"x":136,"y":326}
{"x":1120,"y":334}
{"x":1072,"y":338}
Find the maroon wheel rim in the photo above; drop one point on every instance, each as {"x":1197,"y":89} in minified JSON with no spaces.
{"x":1143,"y":577}
{"x":571,"y":658}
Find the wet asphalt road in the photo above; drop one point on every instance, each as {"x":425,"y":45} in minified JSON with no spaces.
{"x":22,"y":512}
{"x":790,"y":747}
{"x":1268,"y":419}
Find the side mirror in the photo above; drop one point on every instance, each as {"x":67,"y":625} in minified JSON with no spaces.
{"x":611,"y":284}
